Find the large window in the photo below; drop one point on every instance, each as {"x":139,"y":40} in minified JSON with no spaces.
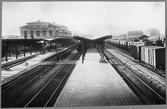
{"x":50,"y":32}
{"x":44,"y":32}
{"x":38,"y":33}
{"x":32,"y":34}
{"x":25,"y":34}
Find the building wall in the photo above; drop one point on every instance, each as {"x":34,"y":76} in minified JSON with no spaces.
{"x":40,"y":27}
{"x":152,"y":32}
{"x":40,"y":32}
{"x":133,"y":33}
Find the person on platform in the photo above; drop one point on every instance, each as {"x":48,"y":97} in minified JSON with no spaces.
{"x":26,"y":63}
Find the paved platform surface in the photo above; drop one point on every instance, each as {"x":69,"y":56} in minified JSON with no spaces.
{"x":95,"y":84}
{"x":20,"y":67}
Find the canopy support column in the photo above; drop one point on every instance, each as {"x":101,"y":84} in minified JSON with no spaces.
{"x":6,"y":54}
{"x":30,"y":50}
{"x":24,"y":50}
{"x":16,"y":51}
{"x":9,"y":50}
{"x":83,"y":50}
{"x":102,"y":49}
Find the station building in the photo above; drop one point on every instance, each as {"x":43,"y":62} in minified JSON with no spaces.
{"x":133,"y":34}
{"x":37,"y":37}
{"x":152,"y":32}
{"x":42,"y":29}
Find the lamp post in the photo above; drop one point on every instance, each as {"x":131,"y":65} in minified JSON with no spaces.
{"x":43,"y":46}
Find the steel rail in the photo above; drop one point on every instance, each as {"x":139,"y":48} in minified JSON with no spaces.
{"x":129,"y":57}
{"x":43,"y":88}
{"x":162,"y":98}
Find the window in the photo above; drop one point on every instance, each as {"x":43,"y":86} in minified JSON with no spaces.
{"x":44,"y":32}
{"x":50,"y":32}
{"x":37,"y":26}
{"x":44,"y":26}
{"x":32,"y":34}
{"x":38,"y":33}
{"x":25,"y":34}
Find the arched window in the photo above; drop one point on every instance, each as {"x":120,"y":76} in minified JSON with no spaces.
{"x":50,"y":32}
{"x":25,"y":34}
{"x":32,"y":34}
{"x":38,"y":33}
{"x":44,"y":32}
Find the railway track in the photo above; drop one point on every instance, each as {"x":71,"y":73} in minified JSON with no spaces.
{"x":149,"y":80}
{"x":16,"y":62}
{"x":143,"y":91}
{"x":53,"y":88}
{"x":128,"y":55}
{"x":61,"y":54}
{"x":14,"y":85}
{"x":44,"y":82}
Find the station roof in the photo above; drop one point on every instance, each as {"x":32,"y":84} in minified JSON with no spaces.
{"x":21,"y":41}
{"x":18,"y":39}
{"x":92,"y":40}
{"x":57,"y":38}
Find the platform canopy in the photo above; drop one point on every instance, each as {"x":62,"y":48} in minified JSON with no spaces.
{"x":93,"y":40}
{"x":57,"y":38}
{"x":19,"y":39}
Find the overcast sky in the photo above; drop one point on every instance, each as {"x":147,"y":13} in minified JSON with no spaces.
{"x":96,"y":18}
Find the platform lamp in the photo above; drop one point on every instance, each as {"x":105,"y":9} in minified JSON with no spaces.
{"x":43,"y":45}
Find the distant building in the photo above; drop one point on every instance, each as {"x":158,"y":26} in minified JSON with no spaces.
{"x":43,"y":30}
{"x":152,"y":32}
{"x":138,"y":38}
{"x":134,"y":33}
{"x":123,"y":36}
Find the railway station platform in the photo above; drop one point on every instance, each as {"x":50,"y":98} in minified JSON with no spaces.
{"x":12,"y":58}
{"x":21,"y":67}
{"x":93,"y":83}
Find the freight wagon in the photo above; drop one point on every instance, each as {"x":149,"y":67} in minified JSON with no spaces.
{"x":154,"y":56}
{"x":136,"y":51}
{"x":141,"y":51}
